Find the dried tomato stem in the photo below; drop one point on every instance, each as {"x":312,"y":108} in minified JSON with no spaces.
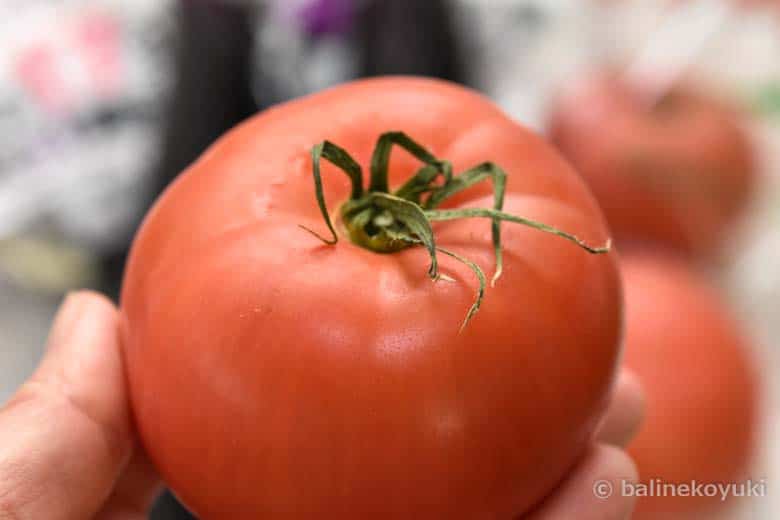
{"x":385,"y":223}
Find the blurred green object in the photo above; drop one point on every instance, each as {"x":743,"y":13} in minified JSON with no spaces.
{"x":45,"y":265}
{"x":767,"y":100}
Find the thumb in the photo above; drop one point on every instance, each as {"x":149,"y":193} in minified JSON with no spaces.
{"x":65,"y":435}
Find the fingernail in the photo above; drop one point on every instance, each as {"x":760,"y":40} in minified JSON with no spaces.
{"x":70,"y":310}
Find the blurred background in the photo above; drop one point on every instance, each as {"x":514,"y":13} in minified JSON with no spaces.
{"x":104,"y":102}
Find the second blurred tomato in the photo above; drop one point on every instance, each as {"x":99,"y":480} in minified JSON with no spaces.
{"x":701,"y":384}
{"x":674,"y":171}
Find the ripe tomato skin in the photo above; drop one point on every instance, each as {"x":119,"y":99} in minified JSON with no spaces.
{"x":699,"y":378}
{"x":677,"y":174}
{"x":273,"y":376}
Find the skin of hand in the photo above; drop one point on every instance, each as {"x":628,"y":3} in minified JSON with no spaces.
{"x":68,"y":450}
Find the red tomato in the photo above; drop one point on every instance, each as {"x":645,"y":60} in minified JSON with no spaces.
{"x":273,"y":376}
{"x":699,"y":379}
{"x":677,"y":173}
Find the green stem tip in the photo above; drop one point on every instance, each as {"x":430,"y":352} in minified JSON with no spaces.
{"x":386,"y":222}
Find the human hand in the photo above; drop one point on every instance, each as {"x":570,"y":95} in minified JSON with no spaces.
{"x":67,"y":448}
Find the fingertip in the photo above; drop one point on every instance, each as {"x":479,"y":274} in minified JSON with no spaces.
{"x":632,"y":387}
{"x":74,"y":306}
{"x":626,"y":411}
{"x":618,"y":468}
{"x":633,"y":401}
{"x":82,"y":358}
{"x":95,"y":298}
{"x":614,"y":463}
